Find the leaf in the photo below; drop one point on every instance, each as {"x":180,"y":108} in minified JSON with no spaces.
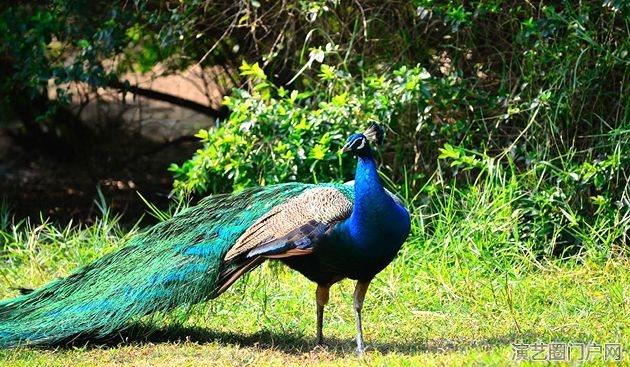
{"x":448,"y":152}
{"x":340,"y":100}
{"x":327,"y":72}
{"x":317,"y":54}
{"x":83,"y":43}
{"x":202,"y":134}
{"x":318,"y":152}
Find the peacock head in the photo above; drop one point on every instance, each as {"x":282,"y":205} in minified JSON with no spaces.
{"x":359,"y":144}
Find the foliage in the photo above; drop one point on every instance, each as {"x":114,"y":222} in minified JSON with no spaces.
{"x":276,"y":135}
{"x":53,"y":43}
{"x":542,"y":210}
{"x":537,"y":92}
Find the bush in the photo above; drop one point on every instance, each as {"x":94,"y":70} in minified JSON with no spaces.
{"x":275,"y":135}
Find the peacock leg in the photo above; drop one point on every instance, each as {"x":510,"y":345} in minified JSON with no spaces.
{"x":321,"y":297}
{"x":359,"y":296}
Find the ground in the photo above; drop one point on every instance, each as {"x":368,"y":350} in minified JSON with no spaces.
{"x":416,"y":313}
{"x":37,"y":180}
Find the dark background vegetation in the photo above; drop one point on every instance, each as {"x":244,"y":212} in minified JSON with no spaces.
{"x":493,"y":97}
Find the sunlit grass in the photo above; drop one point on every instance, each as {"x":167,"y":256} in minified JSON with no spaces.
{"x":463,"y":290}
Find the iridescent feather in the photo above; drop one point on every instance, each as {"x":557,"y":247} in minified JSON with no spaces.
{"x":179,"y":262}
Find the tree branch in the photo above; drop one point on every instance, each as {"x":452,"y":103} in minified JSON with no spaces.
{"x":178,"y":101}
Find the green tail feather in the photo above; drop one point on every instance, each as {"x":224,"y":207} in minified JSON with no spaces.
{"x":175,"y":263}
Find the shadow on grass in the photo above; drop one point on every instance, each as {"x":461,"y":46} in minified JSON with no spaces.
{"x":289,"y":343}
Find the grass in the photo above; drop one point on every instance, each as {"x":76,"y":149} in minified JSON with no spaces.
{"x":463,"y":290}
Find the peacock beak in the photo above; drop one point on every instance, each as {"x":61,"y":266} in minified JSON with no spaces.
{"x":346,"y":148}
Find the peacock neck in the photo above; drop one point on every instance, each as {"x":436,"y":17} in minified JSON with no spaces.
{"x":370,"y":196}
{"x":378,"y":225}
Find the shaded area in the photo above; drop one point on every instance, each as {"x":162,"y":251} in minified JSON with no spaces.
{"x":38,"y":179}
{"x":289,"y":343}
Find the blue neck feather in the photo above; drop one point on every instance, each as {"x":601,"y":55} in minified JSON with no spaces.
{"x":374,"y":211}
{"x":370,"y":238}
{"x":368,"y":189}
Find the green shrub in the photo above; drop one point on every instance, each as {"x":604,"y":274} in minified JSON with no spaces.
{"x":276,"y":135}
{"x":543,"y":209}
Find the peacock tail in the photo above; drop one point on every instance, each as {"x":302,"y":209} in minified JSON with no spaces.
{"x":175,"y":263}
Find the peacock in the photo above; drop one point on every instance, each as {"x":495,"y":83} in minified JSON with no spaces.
{"x":327,"y":232}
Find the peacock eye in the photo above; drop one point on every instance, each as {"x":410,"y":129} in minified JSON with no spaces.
{"x":359,"y":144}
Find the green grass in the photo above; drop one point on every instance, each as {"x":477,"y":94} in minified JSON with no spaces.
{"x":463,"y":290}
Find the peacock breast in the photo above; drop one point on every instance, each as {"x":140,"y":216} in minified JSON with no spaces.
{"x":360,"y":251}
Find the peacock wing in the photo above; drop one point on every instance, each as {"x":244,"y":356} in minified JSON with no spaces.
{"x":293,"y":225}
{"x":292,"y":228}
